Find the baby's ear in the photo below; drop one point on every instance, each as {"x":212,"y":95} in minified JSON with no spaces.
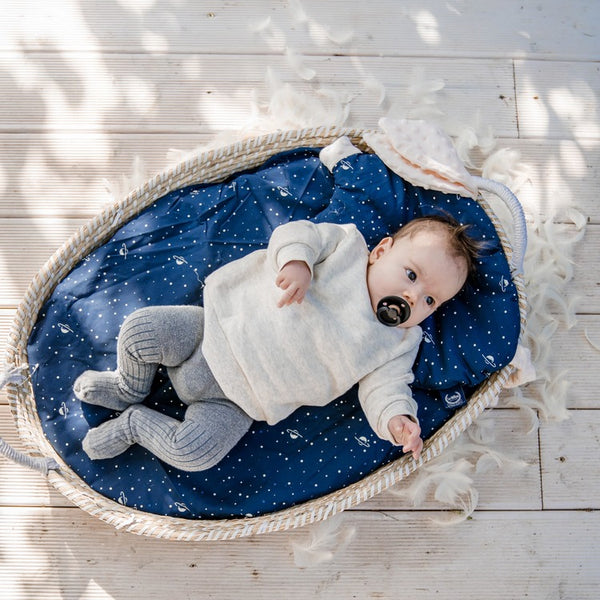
{"x":384,"y":245}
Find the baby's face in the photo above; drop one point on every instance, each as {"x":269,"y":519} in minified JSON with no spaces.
{"x":419,"y":269}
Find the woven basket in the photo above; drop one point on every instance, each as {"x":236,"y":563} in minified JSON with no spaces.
{"x":209,"y":167}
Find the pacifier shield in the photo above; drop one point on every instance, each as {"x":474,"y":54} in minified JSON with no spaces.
{"x":393,"y":311}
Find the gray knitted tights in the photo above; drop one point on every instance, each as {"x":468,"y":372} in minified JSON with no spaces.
{"x":171,"y":336}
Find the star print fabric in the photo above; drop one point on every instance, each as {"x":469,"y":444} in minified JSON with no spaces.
{"x":163,"y":255}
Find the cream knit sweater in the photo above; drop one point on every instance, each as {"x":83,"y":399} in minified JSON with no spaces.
{"x":270,"y":361}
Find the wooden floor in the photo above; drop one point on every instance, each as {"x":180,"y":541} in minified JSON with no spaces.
{"x":87,"y":86}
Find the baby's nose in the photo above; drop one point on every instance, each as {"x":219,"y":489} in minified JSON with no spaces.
{"x":409,"y":297}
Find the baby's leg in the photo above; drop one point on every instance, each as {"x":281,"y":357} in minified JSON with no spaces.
{"x":209,"y":431}
{"x":150,"y":336}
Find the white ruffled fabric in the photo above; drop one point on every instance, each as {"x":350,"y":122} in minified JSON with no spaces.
{"x":423,"y":154}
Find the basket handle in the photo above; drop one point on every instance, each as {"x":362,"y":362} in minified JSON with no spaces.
{"x":516,"y":210}
{"x":42,"y":465}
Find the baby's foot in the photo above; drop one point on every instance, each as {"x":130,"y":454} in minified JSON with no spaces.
{"x":109,"y":439}
{"x":102,"y":389}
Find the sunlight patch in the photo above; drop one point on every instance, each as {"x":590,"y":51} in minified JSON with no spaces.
{"x":427,"y":27}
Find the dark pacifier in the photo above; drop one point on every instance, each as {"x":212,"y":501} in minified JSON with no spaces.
{"x":393,"y":311}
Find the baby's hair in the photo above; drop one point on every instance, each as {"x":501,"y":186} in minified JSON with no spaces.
{"x":460,"y":243}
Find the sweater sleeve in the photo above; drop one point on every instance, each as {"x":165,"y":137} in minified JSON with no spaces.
{"x":385,"y":393}
{"x":304,"y":240}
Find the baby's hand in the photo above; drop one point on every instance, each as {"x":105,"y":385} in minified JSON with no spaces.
{"x":407,"y":434}
{"x":294,"y":278}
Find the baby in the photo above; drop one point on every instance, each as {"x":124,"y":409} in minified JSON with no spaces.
{"x":298,"y":323}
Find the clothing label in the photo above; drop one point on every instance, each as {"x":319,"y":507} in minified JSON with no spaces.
{"x":453,"y":397}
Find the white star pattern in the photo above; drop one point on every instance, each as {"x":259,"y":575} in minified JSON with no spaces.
{"x":164,"y":254}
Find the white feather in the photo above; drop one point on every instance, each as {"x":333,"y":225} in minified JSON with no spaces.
{"x":506,"y":166}
{"x":424,"y":97}
{"x":118,"y":190}
{"x":340,"y":37}
{"x":260,"y":25}
{"x":374,"y":86}
{"x":422,"y":90}
{"x":577,"y":217}
{"x":469,"y":138}
{"x":297,"y":63}
{"x":291,"y":109}
{"x":297,"y":11}
{"x":324,"y":541}
{"x":448,"y":480}
{"x":593,"y":344}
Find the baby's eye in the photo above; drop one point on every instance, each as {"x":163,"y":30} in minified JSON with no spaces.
{"x":411,"y":275}
{"x":430,"y":301}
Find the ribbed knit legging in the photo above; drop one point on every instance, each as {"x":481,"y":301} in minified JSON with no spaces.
{"x":171,"y":336}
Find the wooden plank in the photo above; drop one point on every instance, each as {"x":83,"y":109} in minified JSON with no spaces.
{"x":558,"y":99}
{"x":6,"y":318}
{"x":66,"y":174}
{"x":87,"y":84}
{"x":26,"y":244}
{"x":577,"y":355}
{"x":569,"y":456}
{"x":65,"y":553}
{"x":553,"y":176}
{"x":182,"y":93}
{"x":63,"y":174}
{"x":499,"y":488}
{"x":20,"y":486}
{"x":510,"y":487}
{"x":575,"y":279}
{"x":586,"y":282}
{"x":410,"y":28}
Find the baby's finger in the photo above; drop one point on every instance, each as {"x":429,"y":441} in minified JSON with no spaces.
{"x":410,"y":439}
{"x":415,"y":446}
{"x":412,"y":435}
{"x":288,"y":296}
{"x":416,"y":451}
{"x":281,"y":281}
{"x":407,"y":447}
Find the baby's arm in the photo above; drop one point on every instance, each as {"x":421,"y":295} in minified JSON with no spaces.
{"x":406,"y":433}
{"x":295,"y":248}
{"x":386,"y":397}
{"x":294,"y":279}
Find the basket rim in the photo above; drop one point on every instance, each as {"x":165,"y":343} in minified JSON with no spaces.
{"x":212,"y":166}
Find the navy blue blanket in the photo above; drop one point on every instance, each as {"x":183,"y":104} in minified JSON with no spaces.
{"x":163,"y":255}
